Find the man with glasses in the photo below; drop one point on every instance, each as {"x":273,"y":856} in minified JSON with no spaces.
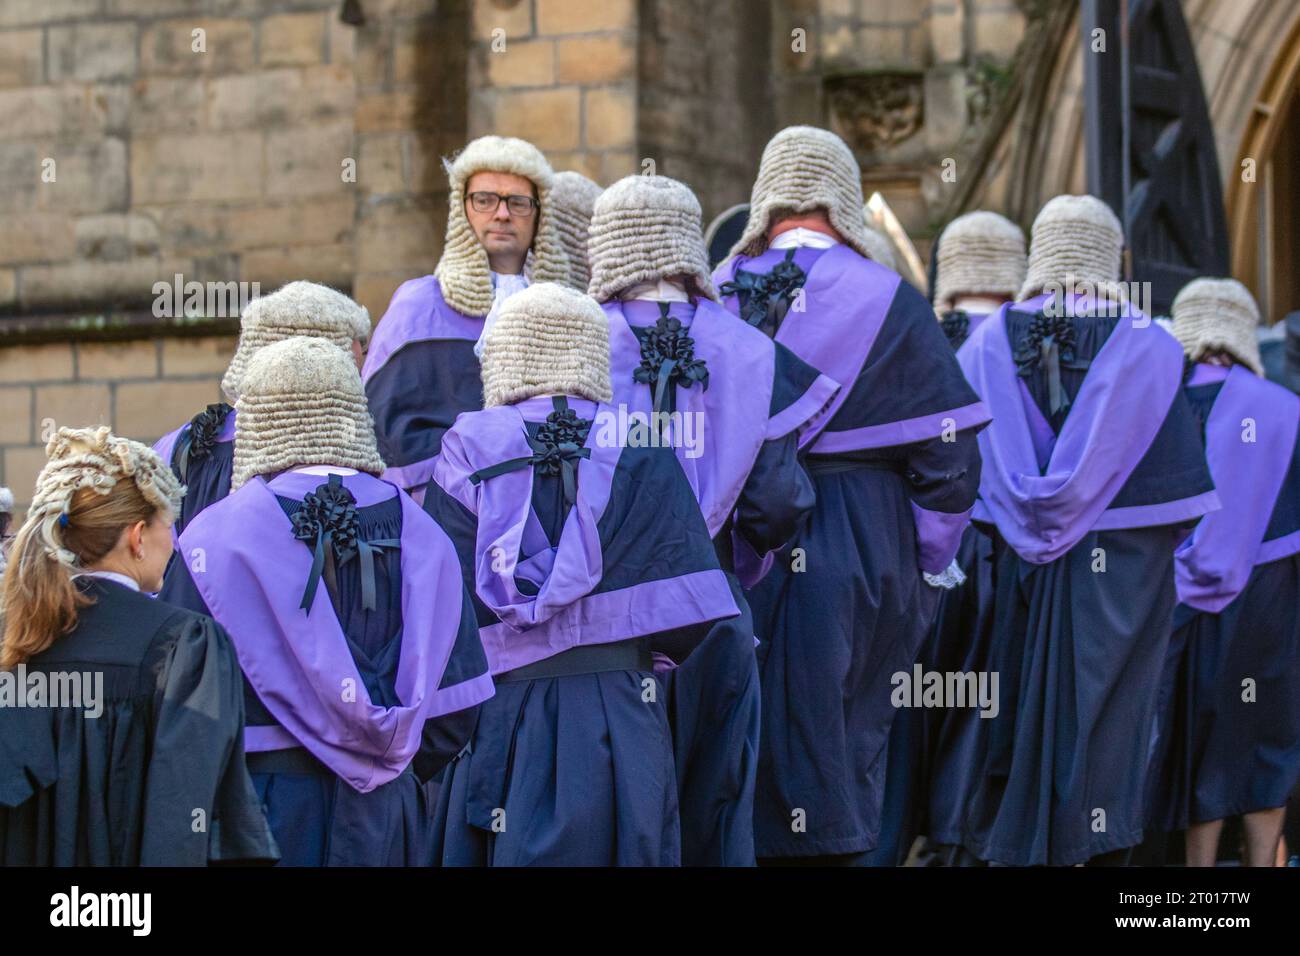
{"x":422,"y":369}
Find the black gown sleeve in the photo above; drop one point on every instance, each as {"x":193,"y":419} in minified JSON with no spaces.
{"x":944,"y":475}
{"x":445,"y":737}
{"x":776,"y":498}
{"x":199,"y":803}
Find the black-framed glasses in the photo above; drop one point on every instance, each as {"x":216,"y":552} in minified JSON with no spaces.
{"x":518,"y":206}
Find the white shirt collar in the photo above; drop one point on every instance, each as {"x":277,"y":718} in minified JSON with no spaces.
{"x":121,"y":579}
{"x":325,"y":470}
{"x":657,"y":290}
{"x":508,"y":283}
{"x":799,"y":236}
{"x":977,"y":304}
{"x":504,"y":285}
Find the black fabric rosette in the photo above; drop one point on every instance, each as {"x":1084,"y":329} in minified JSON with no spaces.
{"x":200,"y":438}
{"x":668,"y":360}
{"x":557,"y":449}
{"x":328,"y":520}
{"x":956,"y":326}
{"x":1049,"y":343}
{"x":765,"y":299}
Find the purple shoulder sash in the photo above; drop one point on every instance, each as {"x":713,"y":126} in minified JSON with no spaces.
{"x":847,"y":300}
{"x":417,"y":313}
{"x":1044,"y":510}
{"x":166,"y":445}
{"x":503,"y":504}
{"x":1250,"y":436}
{"x":564,"y":613}
{"x":731,"y":414}
{"x":299,"y":662}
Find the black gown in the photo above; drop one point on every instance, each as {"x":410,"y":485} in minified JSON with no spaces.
{"x":714,"y":698}
{"x":159,"y":777}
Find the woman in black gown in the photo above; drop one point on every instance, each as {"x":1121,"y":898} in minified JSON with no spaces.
{"x":121,"y":717}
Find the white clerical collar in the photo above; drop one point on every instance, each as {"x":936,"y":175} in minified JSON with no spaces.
{"x":799,"y":236}
{"x":325,"y":470}
{"x":121,"y":579}
{"x":657,"y":290}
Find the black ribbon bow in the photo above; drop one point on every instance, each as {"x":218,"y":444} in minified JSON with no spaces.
{"x":956,"y":326}
{"x":328,"y":519}
{"x":557,"y":449}
{"x":1049,"y":340}
{"x":667,"y":360}
{"x":765,"y":299}
{"x":199,"y":439}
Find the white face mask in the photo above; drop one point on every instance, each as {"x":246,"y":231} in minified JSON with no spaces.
{"x":503,"y":287}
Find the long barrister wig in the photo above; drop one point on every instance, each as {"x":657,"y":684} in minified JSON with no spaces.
{"x":1075,"y":241}
{"x":549,"y":340}
{"x":979,"y":253}
{"x":805,"y":168}
{"x":302,"y":403}
{"x":646,"y":228}
{"x":463,"y":271}
{"x":1218,"y":315}
{"x":573,"y":198}
{"x":298,"y":308}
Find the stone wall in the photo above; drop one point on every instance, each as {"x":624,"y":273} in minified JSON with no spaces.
{"x":143,"y":388}
{"x":704,"y":104}
{"x":562,"y":75}
{"x":276,"y":143}
{"x":908,"y":84}
{"x":410,"y":111}
{"x":144,"y":139}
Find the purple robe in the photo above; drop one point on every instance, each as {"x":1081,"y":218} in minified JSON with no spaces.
{"x":1094,"y":474}
{"x":736,"y":411}
{"x":750,"y":397}
{"x":742,"y":365}
{"x":843,"y":347}
{"x":1045,"y":491}
{"x":299,"y":662}
{"x":1217,"y":751}
{"x":1250,"y":436}
{"x":420,"y":373}
{"x":206,"y":478}
{"x":581,"y":571}
{"x":895,"y":466}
